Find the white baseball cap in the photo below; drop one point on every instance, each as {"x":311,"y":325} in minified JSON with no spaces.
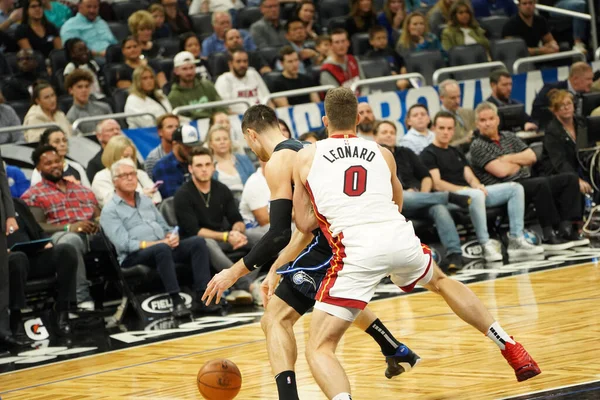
{"x":187,"y":135}
{"x":183,"y":58}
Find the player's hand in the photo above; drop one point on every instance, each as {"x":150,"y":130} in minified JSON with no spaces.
{"x":268,"y":286}
{"x":217,"y":285}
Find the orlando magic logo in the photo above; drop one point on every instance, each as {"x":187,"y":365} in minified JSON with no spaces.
{"x":300,"y":277}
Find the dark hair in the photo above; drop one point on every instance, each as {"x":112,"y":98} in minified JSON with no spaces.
{"x":304,"y":137}
{"x":339,"y":31}
{"x":236,"y":50}
{"x":199,"y":151}
{"x":300,"y":5}
{"x":289,"y":23}
{"x":183,"y":38}
{"x":497,"y":74}
{"x":322,"y":38}
{"x":282,"y":122}
{"x":341,"y":109}
{"x":127,"y":39}
{"x":37,"y":153}
{"x":25,"y":19}
{"x":45,"y":138}
{"x":259,"y":118}
{"x":390,"y":123}
{"x":68,"y":45}
{"x":443,"y":114}
{"x":160,"y":120}
{"x":375,"y":29}
{"x":285,"y":51}
{"x":77,"y":76}
{"x":38,"y":86}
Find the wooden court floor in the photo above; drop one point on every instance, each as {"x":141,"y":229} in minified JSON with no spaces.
{"x":553,"y":313}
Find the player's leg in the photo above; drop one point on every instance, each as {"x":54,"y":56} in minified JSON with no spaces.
{"x":326,"y":330}
{"x":470,"y":309}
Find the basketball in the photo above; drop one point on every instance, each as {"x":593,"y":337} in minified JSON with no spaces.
{"x":219,"y":380}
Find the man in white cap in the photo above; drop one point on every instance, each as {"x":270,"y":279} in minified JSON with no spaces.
{"x":188,"y":89}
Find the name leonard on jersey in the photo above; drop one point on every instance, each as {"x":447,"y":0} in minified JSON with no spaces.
{"x":348,"y":151}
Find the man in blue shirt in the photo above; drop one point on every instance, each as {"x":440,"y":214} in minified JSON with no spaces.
{"x":215,"y":43}
{"x":173,"y":168}
{"x":89,"y":27}
{"x":142,"y":236}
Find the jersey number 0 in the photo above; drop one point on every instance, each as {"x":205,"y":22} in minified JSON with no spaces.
{"x":355,"y":181}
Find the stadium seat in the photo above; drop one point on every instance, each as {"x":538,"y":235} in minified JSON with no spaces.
{"x":170,"y":44}
{"x":493,"y":25}
{"x":360,"y":44}
{"x":270,"y":54}
{"x":58,"y":59}
{"x":59,"y":82}
{"x":336,"y":22}
{"x":123,"y":10}
{"x":21,"y":107}
{"x":466,"y":55}
{"x":374,"y":68}
{"x":166,"y":66}
{"x":64,"y":103}
{"x":315,"y":73}
{"x":270,"y":78}
{"x":424,"y":63}
{"x":329,"y":9}
{"x":218,"y":64}
{"x":119,"y":29}
{"x":508,"y":51}
{"x":202,"y":23}
{"x":114,"y":54}
{"x":167,"y":209}
{"x":119,"y":98}
{"x":111,"y":72}
{"x":247,"y":16}
{"x":5,"y":69}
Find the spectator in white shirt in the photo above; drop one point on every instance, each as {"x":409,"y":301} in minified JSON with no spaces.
{"x":241,"y":82}
{"x":145,"y":96}
{"x":254,"y":204}
{"x":206,"y":6}
{"x":418,"y":136}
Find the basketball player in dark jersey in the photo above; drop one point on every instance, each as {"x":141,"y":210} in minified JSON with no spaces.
{"x":301,"y":280}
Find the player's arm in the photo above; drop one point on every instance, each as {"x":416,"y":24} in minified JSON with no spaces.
{"x":398,"y":195}
{"x":305,"y":218}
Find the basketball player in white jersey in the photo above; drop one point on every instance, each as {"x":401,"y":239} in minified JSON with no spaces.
{"x":348,"y":186}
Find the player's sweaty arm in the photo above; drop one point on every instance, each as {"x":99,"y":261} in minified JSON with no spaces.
{"x":396,"y":185}
{"x":305,"y":218}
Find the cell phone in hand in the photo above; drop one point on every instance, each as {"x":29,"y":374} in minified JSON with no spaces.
{"x":157,"y":184}
{"x":175,"y":231}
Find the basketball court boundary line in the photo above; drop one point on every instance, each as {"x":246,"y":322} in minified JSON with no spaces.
{"x":548,"y":390}
{"x":592,"y":264}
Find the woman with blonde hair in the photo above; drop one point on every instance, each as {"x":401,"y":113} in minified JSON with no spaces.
{"x":565,"y":134}
{"x":463,"y":28}
{"x":103,"y":187}
{"x":231,"y":169}
{"x":44,"y":110}
{"x":142,"y":26}
{"x":416,"y":36}
{"x":145,"y":96}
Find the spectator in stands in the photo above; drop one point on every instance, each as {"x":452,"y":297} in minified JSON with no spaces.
{"x":56,"y":13}
{"x":117,"y":148}
{"x":58,"y":261}
{"x":563,"y":138}
{"x":581,"y":78}
{"x":268,"y":31}
{"x":418,"y":199}
{"x":296,"y":36}
{"x":9,"y":16}
{"x":133,"y":58}
{"x":241,"y":82}
{"x":440,"y":13}
{"x":79,"y":84}
{"x":89,"y":27}
{"x":166,"y":125}
{"x":580,"y":26}
{"x":35,"y":32}
{"x":501,"y":84}
{"x":206,"y":208}
{"x":380,"y":49}
{"x":416,"y":36}
{"x":161,"y":30}
{"x":235,"y":130}
{"x":418,"y":136}
{"x":361,"y":18}
{"x":501,"y":157}
{"x":366,"y":126}
{"x":463,"y":28}
{"x":72,"y":171}
{"x":291,"y":79}
{"x":340,"y":68}
{"x":305,"y":11}
{"x":172,"y":168}
{"x":141,"y":25}
{"x":215,"y":43}
{"x":145,"y":96}
{"x":44,"y":110}
{"x":322,"y":45}
{"x":175,"y":18}
{"x":70,"y":211}
{"x":188,"y":89}
{"x":254,"y":203}
{"x":9,"y":118}
{"x":212,"y":6}
{"x":79,"y":57}
{"x":17,"y":181}
{"x":105,"y":130}
{"x":532,"y":28}
{"x":231,"y":169}
{"x":309,"y":137}
{"x":8,"y":44}
{"x":19,"y":86}
{"x":450,"y":97}
{"x":141,"y":236}
{"x":392,"y":17}
{"x":189,"y":42}
{"x":451,"y":172}
{"x":233,"y":41}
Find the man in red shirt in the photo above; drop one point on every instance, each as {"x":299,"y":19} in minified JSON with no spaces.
{"x":340,"y":68}
{"x":70,"y":209}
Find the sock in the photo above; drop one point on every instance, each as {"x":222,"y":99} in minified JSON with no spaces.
{"x":342,"y":396}
{"x":459,"y":199}
{"x":498,"y":336}
{"x":286,"y":385}
{"x":384,"y":338}
{"x":176,"y":299}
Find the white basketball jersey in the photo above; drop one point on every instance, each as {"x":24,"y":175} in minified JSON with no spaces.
{"x":350,"y":184}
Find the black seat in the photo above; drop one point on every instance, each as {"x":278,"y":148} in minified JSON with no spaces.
{"x":336,"y":22}
{"x":58,"y":59}
{"x":508,"y":51}
{"x":123,"y":10}
{"x":468,"y":55}
{"x":493,"y":25}
{"x":5,"y":69}
{"x":218,"y":64}
{"x":360,"y":44}
{"x":59,"y":81}
{"x":65,"y":102}
{"x":202,"y":23}
{"x":119,"y":29}
{"x":329,"y":9}
{"x":270,"y":78}
{"x":270,"y":55}
{"x":315,"y":74}
{"x":167,"y":209}
{"x":170,"y":44}
{"x":374,"y":68}
{"x":111,"y":75}
{"x":21,"y":107}
{"x":166,"y":66}
{"x":119,"y":98}
{"x":424,"y":63}
{"x":114,"y":54}
{"x":247,"y":16}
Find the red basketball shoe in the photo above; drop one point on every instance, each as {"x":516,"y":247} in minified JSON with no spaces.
{"x":520,"y":360}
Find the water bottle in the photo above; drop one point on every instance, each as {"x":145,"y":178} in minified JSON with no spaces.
{"x":589,"y":204}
